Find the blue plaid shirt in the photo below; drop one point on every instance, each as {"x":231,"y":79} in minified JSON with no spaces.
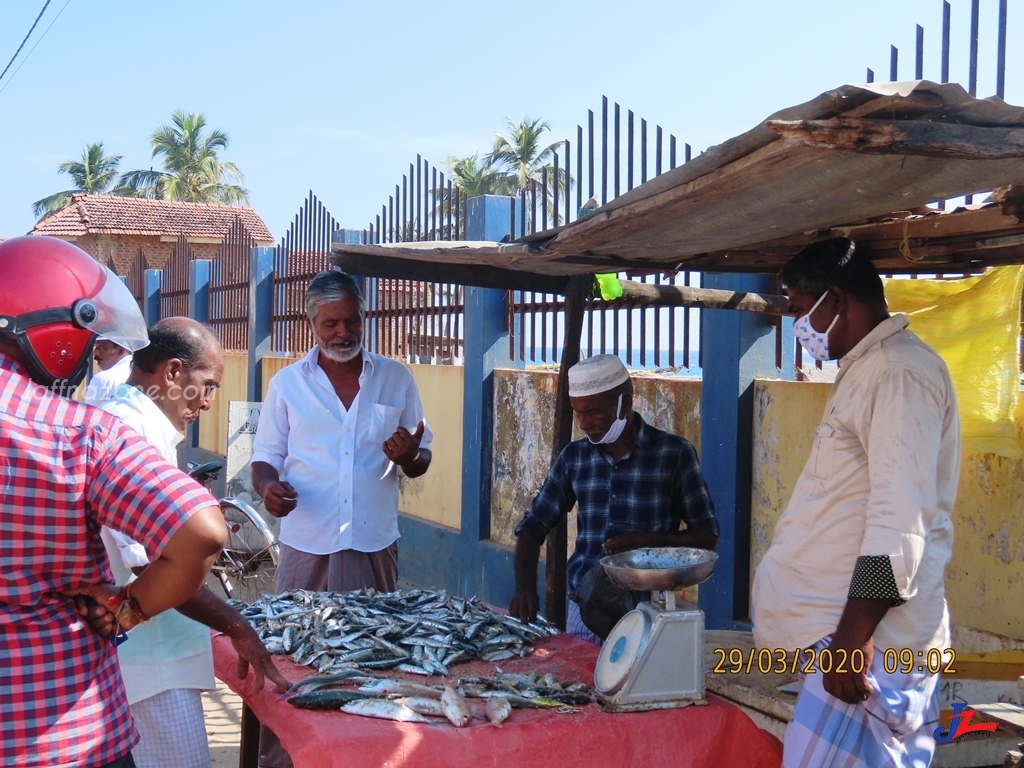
{"x":651,"y":489}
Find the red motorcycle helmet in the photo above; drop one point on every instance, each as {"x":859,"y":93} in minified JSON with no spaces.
{"x":55,"y":300}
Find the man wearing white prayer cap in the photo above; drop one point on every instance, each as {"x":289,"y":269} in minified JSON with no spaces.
{"x":634,"y":484}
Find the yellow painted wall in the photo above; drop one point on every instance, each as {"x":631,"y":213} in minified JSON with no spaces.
{"x":213,"y":424}
{"x":983,"y":579}
{"x":272,"y":365}
{"x":437,"y":495}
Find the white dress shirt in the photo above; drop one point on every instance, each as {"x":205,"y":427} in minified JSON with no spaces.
{"x":881,"y":479}
{"x":169,"y":651}
{"x":334,"y":456}
{"x":103,"y":385}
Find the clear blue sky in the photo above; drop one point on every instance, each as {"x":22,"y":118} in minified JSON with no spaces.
{"x":339,"y":97}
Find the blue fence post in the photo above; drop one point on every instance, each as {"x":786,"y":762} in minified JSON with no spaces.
{"x":199,"y":290}
{"x":198,"y":310}
{"x":261,"y":313}
{"x":151,"y":280}
{"x":486,"y":348}
{"x":737,"y":348}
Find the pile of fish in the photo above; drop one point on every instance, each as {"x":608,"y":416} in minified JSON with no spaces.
{"x":485,"y":698}
{"x":417,"y":631}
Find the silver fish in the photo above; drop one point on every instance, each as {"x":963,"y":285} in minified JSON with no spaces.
{"x":455,"y":708}
{"x":384,"y":710}
{"x":497,"y":710}
{"x":423,"y":705}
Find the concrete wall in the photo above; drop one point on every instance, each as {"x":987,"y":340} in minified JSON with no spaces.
{"x":213,"y":424}
{"x":119,"y":250}
{"x":437,"y":495}
{"x":983,"y":579}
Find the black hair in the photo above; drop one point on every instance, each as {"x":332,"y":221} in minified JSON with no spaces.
{"x":168,"y":340}
{"x":837,"y":262}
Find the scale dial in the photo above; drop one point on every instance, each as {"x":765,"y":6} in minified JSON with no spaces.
{"x":620,"y":651}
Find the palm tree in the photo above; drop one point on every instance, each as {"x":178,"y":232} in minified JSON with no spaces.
{"x":475,"y":178}
{"x":521,"y":159}
{"x":93,"y":173}
{"x":193,"y":172}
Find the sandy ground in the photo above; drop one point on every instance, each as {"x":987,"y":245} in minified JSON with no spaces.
{"x":223,"y":710}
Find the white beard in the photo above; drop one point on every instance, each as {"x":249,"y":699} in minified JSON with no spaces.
{"x":336,"y":355}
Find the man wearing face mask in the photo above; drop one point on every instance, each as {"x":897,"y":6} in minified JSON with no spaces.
{"x":634,"y":485}
{"x":856,"y":564}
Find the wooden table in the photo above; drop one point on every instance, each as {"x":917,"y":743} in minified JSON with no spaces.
{"x":708,"y":736}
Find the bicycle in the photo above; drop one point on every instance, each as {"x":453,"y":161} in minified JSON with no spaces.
{"x":245,"y":567}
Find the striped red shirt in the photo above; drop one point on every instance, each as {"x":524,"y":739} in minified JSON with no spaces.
{"x":65,"y":470}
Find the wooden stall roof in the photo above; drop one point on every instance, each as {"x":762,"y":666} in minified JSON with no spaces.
{"x":861,"y":161}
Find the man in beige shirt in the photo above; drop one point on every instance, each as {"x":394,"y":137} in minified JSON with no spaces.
{"x":855,"y":570}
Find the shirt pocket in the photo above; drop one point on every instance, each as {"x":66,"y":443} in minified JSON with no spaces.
{"x":821,"y":459}
{"x":384,"y":422}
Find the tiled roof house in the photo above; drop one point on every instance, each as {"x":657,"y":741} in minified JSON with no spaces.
{"x":112,"y":228}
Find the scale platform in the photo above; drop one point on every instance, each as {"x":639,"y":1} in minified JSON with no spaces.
{"x":654,"y":656}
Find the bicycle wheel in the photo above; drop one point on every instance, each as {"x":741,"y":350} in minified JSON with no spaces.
{"x":247,"y":564}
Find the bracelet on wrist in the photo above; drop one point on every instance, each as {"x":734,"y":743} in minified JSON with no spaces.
{"x":126,"y":609}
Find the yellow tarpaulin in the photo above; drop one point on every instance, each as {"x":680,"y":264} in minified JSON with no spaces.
{"x":974,"y":324}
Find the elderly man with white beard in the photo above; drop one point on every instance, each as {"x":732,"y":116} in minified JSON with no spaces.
{"x":333,"y":427}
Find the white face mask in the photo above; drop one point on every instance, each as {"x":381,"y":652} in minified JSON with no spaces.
{"x":614,"y":431}
{"x":815,"y":343}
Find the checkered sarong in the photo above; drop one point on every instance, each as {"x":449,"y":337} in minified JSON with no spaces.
{"x":172,"y":728}
{"x":894,"y":728}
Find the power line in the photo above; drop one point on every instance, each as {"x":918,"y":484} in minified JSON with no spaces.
{"x":27,"y":55}
{"x":47,"y":3}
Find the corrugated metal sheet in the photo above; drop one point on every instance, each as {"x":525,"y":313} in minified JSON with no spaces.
{"x":859,"y":160}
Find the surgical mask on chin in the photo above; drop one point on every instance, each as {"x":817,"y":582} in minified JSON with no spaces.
{"x":815,"y":343}
{"x":614,"y":431}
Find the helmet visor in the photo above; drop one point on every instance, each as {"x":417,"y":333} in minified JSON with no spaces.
{"x":118,"y":318}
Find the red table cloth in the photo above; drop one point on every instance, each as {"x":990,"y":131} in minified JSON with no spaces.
{"x":712,"y":736}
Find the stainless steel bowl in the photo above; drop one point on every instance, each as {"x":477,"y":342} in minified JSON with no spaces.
{"x":657,"y":568}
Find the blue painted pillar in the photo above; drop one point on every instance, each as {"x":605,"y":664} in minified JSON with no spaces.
{"x":486,"y":346}
{"x":199,"y":290}
{"x":261,"y":312}
{"x":736,"y":348}
{"x":198,"y":310}
{"x":151,"y":280}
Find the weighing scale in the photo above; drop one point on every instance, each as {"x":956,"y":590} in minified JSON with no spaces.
{"x":654,"y":656}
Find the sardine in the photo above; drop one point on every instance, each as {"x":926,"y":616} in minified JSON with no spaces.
{"x":400,"y":687}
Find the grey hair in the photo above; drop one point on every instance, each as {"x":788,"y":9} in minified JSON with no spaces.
{"x":329,"y":286}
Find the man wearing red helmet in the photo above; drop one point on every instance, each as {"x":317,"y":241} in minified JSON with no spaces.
{"x":67,"y":470}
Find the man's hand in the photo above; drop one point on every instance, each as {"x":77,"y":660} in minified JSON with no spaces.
{"x":252,"y":653}
{"x":523,"y":605}
{"x":402,"y":447}
{"x":279,"y":498}
{"x":855,"y":631}
{"x":96,"y":614}
{"x":849,"y":686}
